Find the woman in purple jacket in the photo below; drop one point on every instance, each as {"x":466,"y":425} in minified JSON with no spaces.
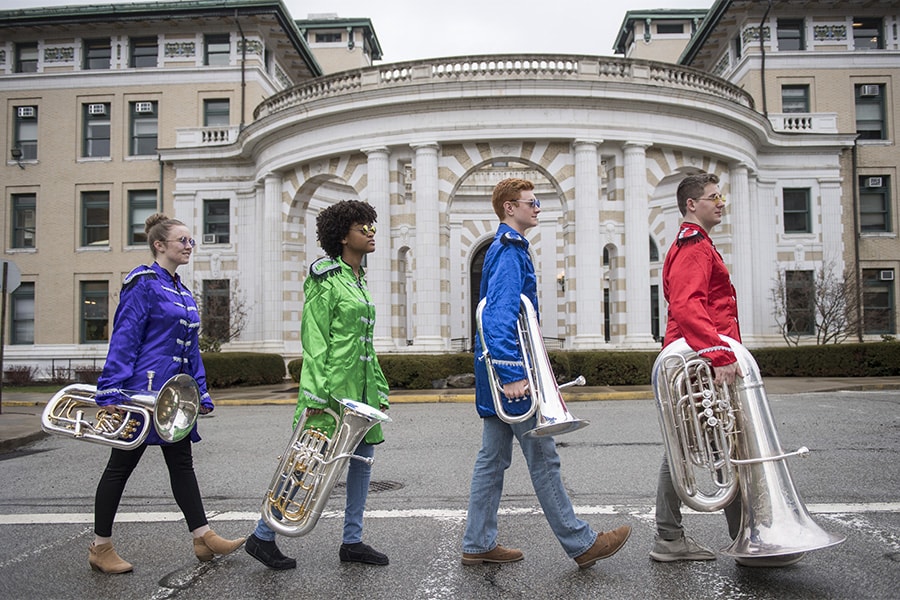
{"x":156,"y":328}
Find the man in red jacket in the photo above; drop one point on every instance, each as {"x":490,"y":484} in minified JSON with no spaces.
{"x":702,"y":305}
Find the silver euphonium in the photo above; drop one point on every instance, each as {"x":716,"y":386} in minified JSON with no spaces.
{"x":553,"y":418}
{"x":311,"y":465}
{"x":171,"y":411}
{"x":725,"y":436}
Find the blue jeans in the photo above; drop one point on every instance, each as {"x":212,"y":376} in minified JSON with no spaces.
{"x":495,"y":456}
{"x":358,"y":475}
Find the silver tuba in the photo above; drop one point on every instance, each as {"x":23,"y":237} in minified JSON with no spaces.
{"x":553,"y":418}
{"x":312,"y":464}
{"x":721,"y":441}
{"x":172,"y":412}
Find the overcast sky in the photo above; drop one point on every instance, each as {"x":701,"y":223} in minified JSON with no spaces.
{"x":411,"y":29}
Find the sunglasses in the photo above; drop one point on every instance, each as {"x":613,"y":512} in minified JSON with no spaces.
{"x":717,"y":198}
{"x":365,"y":229}
{"x":185,"y":241}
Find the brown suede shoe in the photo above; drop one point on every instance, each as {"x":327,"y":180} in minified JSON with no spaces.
{"x":498,"y":555}
{"x":210,"y":544}
{"x":604,"y":546}
{"x":104,"y":559}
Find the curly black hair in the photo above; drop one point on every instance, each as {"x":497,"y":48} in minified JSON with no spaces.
{"x":333,"y":223}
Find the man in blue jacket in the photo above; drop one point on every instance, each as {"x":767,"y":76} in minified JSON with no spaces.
{"x":507,"y":273}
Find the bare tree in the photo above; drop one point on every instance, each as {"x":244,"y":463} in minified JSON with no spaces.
{"x":820,"y":302}
{"x":223,"y":313}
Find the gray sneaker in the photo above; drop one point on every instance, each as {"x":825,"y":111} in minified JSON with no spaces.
{"x":684,"y":548}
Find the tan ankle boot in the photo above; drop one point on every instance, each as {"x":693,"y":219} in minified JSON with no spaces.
{"x":210,"y":544}
{"x":104,"y":559}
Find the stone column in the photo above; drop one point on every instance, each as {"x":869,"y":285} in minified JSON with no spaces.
{"x":588,"y":248}
{"x":378,"y":272}
{"x":427,"y":270}
{"x":742,"y":224}
{"x":272,"y":267}
{"x":832,"y":238}
{"x":637,"y":249}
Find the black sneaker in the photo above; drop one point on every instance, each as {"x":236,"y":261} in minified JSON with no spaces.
{"x":267,"y":553}
{"x":362,"y":553}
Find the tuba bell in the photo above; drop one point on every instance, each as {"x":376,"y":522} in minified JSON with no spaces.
{"x":721,"y":441}
{"x":172,"y":412}
{"x":311,"y":466}
{"x":553,"y":418}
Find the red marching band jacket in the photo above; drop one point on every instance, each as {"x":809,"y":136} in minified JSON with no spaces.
{"x":702,"y":301}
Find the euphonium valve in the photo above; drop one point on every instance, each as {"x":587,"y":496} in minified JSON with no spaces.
{"x":311,"y":465}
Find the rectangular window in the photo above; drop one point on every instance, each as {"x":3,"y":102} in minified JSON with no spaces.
{"x":21,"y":310}
{"x":654,"y":312}
{"x":217,"y":50}
{"x":217,"y":113}
{"x":141,"y":204}
{"x":867,"y":34}
{"x":670,"y":28}
{"x":27,"y":58}
{"x":144,"y":128}
{"x":26,"y":134}
{"x":94,"y":311}
{"x":95,"y":218}
{"x":878,"y":301}
{"x":874,"y":203}
{"x":24,"y":220}
{"x":97,"y":54}
{"x":328,"y":38}
{"x":870,"y":121}
{"x":799,"y":288}
{"x":216,"y":222}
{"x":796,"y":210}
{"x":795,"y":98}
{"x":737,"y":46}
{"x":215,"y":322}
{"x":96,"y":130}
{"x":791,"y":35}
{"x":144,"y":51}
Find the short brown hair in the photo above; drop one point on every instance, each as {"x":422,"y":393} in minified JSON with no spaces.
{"x":693,"y":186}
{"x":508,"y":190}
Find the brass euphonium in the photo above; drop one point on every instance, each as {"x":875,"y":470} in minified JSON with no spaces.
{"x":171,"y":411}
{"x":553,"y":418}
{"x":311,"y":466}
{"x":727,"y":434}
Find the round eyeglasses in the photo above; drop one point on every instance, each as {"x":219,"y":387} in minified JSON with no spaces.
{"x":185,"y":241}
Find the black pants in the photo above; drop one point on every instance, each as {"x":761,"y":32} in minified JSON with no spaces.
{"x":121,"y":464}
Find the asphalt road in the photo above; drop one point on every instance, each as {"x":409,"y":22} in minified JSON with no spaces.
{"x":416,"y":512}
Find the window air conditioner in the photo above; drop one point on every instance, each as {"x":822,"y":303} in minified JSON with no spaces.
{"x":210,"y":238}
{"x":143,"y":107}
{"x":874,"y":182}
{"x":25,"y":112}
{"x":887,"y":275}
{"x":870,"y":90}
{"x":96,"y":109}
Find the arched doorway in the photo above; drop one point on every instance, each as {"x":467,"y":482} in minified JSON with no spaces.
{"x":475,"y":288}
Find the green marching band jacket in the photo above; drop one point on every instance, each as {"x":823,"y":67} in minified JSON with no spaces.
{"x":337,"y":331}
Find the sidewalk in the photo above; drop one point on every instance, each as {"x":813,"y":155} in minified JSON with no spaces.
{"x":20,"y":421}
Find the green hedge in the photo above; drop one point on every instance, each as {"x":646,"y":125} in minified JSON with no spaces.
{"x":876,"y":359}
{"x":613,"y":368}
{"x":230,"y":369}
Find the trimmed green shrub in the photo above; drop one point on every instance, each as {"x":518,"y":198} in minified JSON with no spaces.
{"x":230,"y":369}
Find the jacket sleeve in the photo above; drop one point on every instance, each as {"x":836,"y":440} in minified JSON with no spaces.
{"x":315,"y":335}
{"x":501,"y":312}
{"x":688,"y":288}
{"x":199,"y":370}
{"x":129,"y":325}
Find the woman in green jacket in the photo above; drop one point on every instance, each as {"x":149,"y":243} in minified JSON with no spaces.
{"x":337,"y":329}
